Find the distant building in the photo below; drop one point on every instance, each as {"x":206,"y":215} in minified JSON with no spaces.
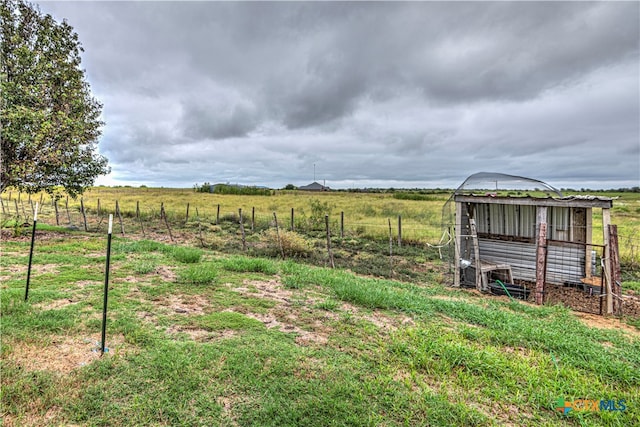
{"x":314,"y":186}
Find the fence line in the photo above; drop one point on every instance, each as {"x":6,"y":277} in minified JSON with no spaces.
{"x":136,"y":218}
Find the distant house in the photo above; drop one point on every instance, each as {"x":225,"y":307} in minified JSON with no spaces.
{"x":314,"y":186}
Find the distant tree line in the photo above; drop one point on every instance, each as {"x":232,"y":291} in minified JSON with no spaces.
{"x":232,"y":189}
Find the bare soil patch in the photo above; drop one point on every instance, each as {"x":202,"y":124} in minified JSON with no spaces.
{"x":602,"y":322}
{"x":56,"y":304}
{"x":284,"y":315}
{"x":183,"y":304}
{"x":35,"y":268}
{"x":272,"y":290}
{"x":200,"y":335}
{"x":166,"y":273}
{"x":63,"y":354}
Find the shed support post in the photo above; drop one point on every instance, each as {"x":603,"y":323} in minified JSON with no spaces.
{"x":541,"y":253}
{"x":588,"y":259}
{"x":606,"y":221}
{"x":616,"y":274}
{"x":476,"y":253}
{"x":458,"y":242}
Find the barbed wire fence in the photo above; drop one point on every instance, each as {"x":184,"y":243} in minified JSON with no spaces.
{"x":233,"y":229}
{"x":237,"y":230}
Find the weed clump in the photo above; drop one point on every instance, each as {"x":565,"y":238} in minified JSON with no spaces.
{"x":186,"y":255}
{"x":200,"y":274}
{"x":293,"y":244}
{"x":257,"y":265}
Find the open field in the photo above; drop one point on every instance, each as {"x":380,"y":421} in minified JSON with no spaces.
{"x":200,"y":337}
{"x":365,"y":214}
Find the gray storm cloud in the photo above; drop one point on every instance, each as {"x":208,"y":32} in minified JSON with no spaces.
{"x":373,"y":93}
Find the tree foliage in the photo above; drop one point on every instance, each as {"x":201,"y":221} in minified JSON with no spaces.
{"x":50,"y":121}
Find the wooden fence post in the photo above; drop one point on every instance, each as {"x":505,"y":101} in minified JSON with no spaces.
{"x":199,"y":228}
{"x":399,"y":231}
{"x":218,"y":215}
{"x":55,"y":205}
{"x":292,"y":220}
{"x":275,"y":218}
{"x":187,"y":217}
{"x":244,"y":240}
{"x":616,"y":274}
{"x":2,"y":203}
{"x":541,"y":254}
{"x":606,"y":222}
{"x":342,"y":224}
{"x":84,"y":215}
{"x":326,"y":221}
{"x":119,"y":217}
{"x":66,"y":206}
{"x":253,"y":218}
{"x":163,"y":214}
{"x":140,"y":218}
{"x":390,"y":246}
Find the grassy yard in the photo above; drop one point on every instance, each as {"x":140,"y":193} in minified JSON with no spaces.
{"x":200,"y":337}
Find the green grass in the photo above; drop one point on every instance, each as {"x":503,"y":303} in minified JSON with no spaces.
{"x":199,"y":274}
{"x":237,"y":340}
{"x":186,"y":255}
{"x":244,"y":264}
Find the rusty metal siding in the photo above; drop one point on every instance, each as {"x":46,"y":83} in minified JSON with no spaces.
{"x":564,"y":263}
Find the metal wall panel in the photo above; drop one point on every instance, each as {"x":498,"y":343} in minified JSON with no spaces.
{"x":564,"y":263}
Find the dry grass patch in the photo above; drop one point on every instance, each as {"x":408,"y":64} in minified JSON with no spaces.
{"x":56,"y":304}
{"x":180,"y":304}
{"x":35,"y":268}
{"x":63,"y":354}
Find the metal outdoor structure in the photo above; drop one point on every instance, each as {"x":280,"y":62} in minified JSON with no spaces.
{"x":519,"y":230}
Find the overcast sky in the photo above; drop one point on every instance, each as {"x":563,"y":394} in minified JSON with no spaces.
{"x":372,"y":94}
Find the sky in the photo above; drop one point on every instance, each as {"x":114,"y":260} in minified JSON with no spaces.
{"x":359,"y":94}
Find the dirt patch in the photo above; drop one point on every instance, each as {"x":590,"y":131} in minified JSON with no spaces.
{"x":167,"y":274}
{"x":56,"y":304}
{"x":284,"y":316}
{"x":631,"y":305}
{"x":85,"y":283}
{"x":200,"y":335}
{"x":378,"y":318}
{"x":63,"y":354}
{"x":587,"y":302}
{"x":35,"y":419}
{"x":596,"y":321}
{"x":41,"y":235}
{"x":272,"y":290}
{"x":183,"y":304}
{"x":576,"y":299}
{"x":35,"y":268}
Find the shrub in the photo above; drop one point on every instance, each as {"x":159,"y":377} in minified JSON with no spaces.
{"x":293,"y":244}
